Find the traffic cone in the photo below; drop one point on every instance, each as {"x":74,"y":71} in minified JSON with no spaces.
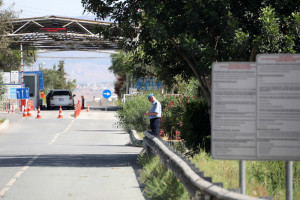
{"x":28,"y":112}
{"x":39,"y":113}
{"x":88,"y":108}
{"x":25,"y":112}
{"x":60,"y":113}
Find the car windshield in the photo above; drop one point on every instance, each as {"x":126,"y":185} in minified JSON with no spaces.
{"x":61,"y":93}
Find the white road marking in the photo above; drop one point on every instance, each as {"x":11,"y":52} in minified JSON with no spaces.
{"x":59,"y":133}
{"x":14,"y":179}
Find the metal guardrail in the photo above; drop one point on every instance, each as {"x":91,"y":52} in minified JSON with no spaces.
{"x":199,"y":186}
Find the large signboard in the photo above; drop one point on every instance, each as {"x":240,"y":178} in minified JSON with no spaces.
{"x":278,"y":107}
{"x":256,"y":109}
{"x":234,"y":110}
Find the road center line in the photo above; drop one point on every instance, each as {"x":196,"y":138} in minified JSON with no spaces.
{"x":59,"y":133}
{"x":14,"y":179}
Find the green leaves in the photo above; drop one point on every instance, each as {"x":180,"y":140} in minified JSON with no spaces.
{"x":55,"y":78}
{"x":185,"y":37}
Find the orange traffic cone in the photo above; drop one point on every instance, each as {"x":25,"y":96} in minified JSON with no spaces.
{"x":88,"y":108}
{"x":25,"y":112}
{"x":28,"y":112}
{"x":39,"y":113}
{"x":60,"y":113}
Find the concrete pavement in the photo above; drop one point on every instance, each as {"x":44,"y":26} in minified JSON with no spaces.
{"x":83,"y":158}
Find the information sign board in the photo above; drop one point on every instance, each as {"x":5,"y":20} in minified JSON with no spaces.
{"x":148,"y":84}
{"x":278,"y":106}
{"x":233,"y":111}
{"x":256,"y":109}
{"x":14,"y":77}
{"x":11,"y":91}
{"x":6,"y":77}
{"x":22,"y":93}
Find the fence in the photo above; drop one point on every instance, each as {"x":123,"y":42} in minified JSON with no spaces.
{"x":194,"y":180}
{"x":9,"y":105}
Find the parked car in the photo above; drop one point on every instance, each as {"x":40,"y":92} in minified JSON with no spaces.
{"x":60,"y":97}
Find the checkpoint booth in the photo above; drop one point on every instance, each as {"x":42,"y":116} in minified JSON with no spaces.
{"x":33,"y":80}
{"x":18,"y":95}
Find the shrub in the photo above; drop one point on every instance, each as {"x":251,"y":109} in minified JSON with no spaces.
{"x":172,"y":113}
{"x":160,"y":183}
{"x":131,"y":114}
{"x":196,"y":125}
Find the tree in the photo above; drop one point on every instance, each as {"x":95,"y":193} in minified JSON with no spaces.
{"x":186,"y":37}
{"x":5,"y":26}
{"x":2,"y":87}
{"x":56,"y":78}
{"x":11,"y":59}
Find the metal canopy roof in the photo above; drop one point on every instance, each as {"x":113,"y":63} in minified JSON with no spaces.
{"x":59,"y":33}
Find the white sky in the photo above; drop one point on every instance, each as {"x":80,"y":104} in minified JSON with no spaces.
{"x":83,"y":70}
{"x":39,"y":8}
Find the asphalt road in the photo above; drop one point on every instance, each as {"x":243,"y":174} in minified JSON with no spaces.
{"x":67,"y":159}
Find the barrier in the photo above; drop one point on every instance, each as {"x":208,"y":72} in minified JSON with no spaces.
{"x":60,"y":113}
{"x":39,"y":113}
{"x":25,"y":112}
{"x":29,"y":111}
{"x":199,"y":186}
{"x":77,"y":109}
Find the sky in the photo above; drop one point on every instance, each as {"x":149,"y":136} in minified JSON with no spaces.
{"x":83,"y":70}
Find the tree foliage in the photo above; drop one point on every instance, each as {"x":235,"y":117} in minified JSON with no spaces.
{"x":56,"y":78}
{"x":186,"y":37}
{"x":11,"y":59}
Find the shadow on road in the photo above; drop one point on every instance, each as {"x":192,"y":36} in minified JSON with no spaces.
{"x":71,"y":160}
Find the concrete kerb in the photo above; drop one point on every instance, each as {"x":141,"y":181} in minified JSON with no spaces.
{"x":135,"y":139}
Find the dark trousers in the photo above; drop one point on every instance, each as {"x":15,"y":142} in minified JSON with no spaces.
{"x":155,"y":126}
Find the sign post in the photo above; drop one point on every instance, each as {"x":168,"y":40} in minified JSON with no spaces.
{"x":106,"y":94}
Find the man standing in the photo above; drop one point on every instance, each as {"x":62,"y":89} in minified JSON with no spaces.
{"x":154,"y":115}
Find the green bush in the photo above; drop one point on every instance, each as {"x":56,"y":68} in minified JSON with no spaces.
{"x":196,"y":125}
{"x":271,"y":174}
{"x":160,"y":183}
{"x":131,"y":114}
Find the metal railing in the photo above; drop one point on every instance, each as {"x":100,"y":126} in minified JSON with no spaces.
{"x":194,"y":180}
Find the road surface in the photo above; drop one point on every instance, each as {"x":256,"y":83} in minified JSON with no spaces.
{"x":67,"y":159}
